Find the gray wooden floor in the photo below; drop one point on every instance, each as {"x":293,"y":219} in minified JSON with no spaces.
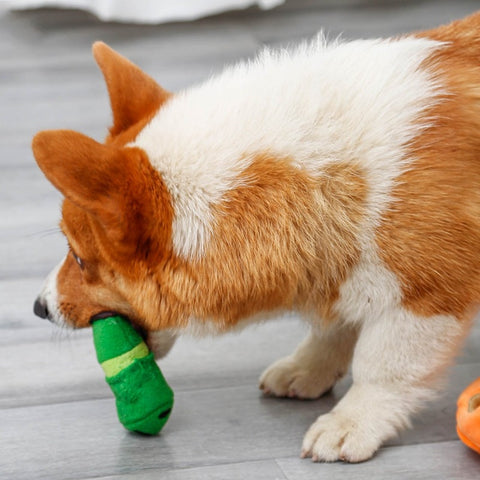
{"x":57,"y":416}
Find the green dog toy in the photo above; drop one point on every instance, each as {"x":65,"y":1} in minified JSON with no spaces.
{"x":143,"y":397}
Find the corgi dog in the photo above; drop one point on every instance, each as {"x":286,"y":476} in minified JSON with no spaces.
{"x":339,"y":180}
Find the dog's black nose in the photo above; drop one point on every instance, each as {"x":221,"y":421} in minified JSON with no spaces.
{"x":40,"y":308}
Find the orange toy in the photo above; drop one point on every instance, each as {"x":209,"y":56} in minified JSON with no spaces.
{"x":468,"y":416}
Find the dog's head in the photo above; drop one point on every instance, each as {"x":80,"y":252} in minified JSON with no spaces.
{"x":117,"y":212}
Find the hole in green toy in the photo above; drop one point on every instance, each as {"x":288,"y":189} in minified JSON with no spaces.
{"x":474,"y":403}
{"x":165,"y":413}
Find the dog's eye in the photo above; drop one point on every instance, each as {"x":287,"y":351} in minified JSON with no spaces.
{"x":78,"y":260}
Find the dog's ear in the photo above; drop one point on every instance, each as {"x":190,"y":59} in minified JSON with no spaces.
{"x":117,"y":186}
{"x":134,"y":95}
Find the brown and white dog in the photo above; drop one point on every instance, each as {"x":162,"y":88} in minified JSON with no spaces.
{"x":340,"y":180}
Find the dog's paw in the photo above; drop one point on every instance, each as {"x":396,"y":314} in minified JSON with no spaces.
{"x":336,"y":437}
{"x":288,"y":378}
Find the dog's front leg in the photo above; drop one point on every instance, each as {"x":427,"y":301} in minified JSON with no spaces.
{"x":396,"y":363}
{"x":320,"y":360}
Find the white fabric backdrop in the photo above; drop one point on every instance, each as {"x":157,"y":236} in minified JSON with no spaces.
{"x":144,"y":11}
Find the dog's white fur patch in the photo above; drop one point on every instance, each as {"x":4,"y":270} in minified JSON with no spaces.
{"x":49,"y":295}
{"x":320,"y":103}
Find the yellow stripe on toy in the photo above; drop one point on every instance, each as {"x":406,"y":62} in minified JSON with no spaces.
{"x":115,"y":365}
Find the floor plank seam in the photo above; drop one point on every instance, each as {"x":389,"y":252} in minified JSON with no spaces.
{"x":187,"y":468}
{"x":109,"y":397}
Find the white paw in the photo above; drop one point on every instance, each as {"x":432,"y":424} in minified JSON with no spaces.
{"x":337,"y":437}
{"x":289,"y":378}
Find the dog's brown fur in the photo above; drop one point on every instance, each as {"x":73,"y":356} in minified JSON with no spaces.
{"x":437,"y":260}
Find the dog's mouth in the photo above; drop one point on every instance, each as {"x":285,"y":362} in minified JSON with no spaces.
{"x":103,"y":315}
{"x":110,"y":313}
